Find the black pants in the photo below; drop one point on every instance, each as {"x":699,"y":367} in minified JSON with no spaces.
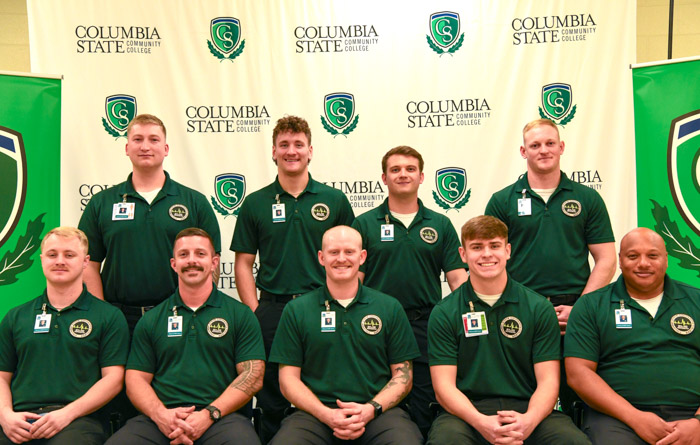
{"x":269,"y":398}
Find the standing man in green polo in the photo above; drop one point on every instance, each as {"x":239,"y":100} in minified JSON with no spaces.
{"x":345,"y":354}
{"x":554,"y":223}
{"x":284,"y":223}
{"x":494,"y":353}
{"x":405,"y":239}
{"x":195,"y":360}
{"x":633,"y":352}
{"x":132,"y":226}
{"x":62,"y":354}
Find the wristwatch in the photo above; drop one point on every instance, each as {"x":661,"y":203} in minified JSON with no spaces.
{"x":697,"y":416}
{"x":377,"y":408}
{"x":214,"y":413}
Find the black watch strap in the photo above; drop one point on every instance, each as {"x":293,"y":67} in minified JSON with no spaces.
{"x":377,"y":408}
{"x":214,"y":413}
{"x":697,"y":416}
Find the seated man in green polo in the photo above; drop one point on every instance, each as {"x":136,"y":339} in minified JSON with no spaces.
{"x":345,"y":353}
{"x":633,"y":351}
{"x":62,"y":354}
{"x":493,"y":347}
{"x":196,"y":359}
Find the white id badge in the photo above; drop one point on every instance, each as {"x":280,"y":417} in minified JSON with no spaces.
{"x":387,"y":232}
{"x":42,"y":323}
{"x":123,"y":211}
{"x":524,"y":207}
{"x":278,"y":215}
{"x":328,"y":321}
{"x":475,"y":324}
{"x":175,"y":326}
{"x":623,"y":319}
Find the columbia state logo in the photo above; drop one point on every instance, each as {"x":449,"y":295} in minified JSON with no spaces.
{"x":429,"y":235}
{"x":217,"y":327}
{"x":339,"y":109}
{"x":178,"y":212}
{"x":80,"y":328}
{"x":682,"y":324}
{"x":571,"y":208}
{"x":557,"y":101}
{"x":119,"y":110}
{"x":225,"y":43}
{"x":230,"y":190}
{"x":451,"y":186}
{"x":371,"y":324}
{"x":13,"y":170}
{"x":511,"y":327}
{"x":320,"y":211}
{"x":444,"y":37}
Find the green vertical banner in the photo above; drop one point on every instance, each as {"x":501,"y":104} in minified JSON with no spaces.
{"x":667,"y":132}
{"x":30,"y":143}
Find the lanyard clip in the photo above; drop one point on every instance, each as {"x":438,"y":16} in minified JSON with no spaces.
{"x":124,"y":198}
{"x":622,"y":305}
{"x":43,"y":309}
{"x":277,"y":198}
{"x":471,"y":307}
{"x":386,"y":218}
{"x":175,"y":311}
{"x":328,"y":306}
{"x":523,"y":192}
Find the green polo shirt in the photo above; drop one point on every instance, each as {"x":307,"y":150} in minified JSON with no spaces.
{"x":137,"y":252}
{"x":657,"y":361}
{"x":421,"y":251}
{"x":351,"y":363}
{"x":59,"y":366}
{"x":289,"y":249}
{"x":522,"y":330}
{"x":194,"y":368}
{"x":550,"y":247}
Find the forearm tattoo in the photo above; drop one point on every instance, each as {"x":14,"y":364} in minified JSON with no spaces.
{"x":249,"y":375}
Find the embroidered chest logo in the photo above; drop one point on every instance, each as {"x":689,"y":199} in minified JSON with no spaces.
{"x":571,"y":208}
{"x":682,"y":324}
{"x":178,"y":212}
{"x":320,"y":212}
{"x":80,"y":328}
{"x":371,"y":324}
{"x":511,"y":327}
{"x":217,"y":327}
{"x":429,"y":235}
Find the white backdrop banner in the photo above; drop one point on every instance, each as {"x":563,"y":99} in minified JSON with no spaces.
{"x":456,"y":80}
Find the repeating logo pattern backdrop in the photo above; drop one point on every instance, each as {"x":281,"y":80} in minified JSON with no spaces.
{"x":667,"y":127}
{"x":29,"y":182}
{"x":456,"y":80}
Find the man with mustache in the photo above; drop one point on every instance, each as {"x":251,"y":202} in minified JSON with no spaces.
{"x":196,"y":359}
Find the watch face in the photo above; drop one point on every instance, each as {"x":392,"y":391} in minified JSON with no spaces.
{"x":216,"y":414}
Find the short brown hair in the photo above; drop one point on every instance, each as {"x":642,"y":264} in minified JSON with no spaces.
{"x":293,"y":124}
{"x":538,"y":123}
{"x":484,"y":227}
{"x":194,"y":231}
{"x":146,"y":119}
{"x":67,"y":232}
{"x":404,"y":150}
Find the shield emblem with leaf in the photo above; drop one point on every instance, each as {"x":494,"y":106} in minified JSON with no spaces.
{"x":684,"y":167}
{"x":451,"y":183}
{"x":13,"y":181}
{"x":339,"y":109}
{"x":225,"y":33}
{"x":230,"y":190}
{"x":444,"y":28}
{"x":120,"y":109}
{"x":556,"y":99}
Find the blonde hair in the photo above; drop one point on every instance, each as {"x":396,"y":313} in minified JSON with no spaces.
{"x":67,"y":232}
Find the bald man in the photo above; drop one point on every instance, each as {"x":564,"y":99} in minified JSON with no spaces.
{"x":345,"y":355}
{"x":633,"y":351}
